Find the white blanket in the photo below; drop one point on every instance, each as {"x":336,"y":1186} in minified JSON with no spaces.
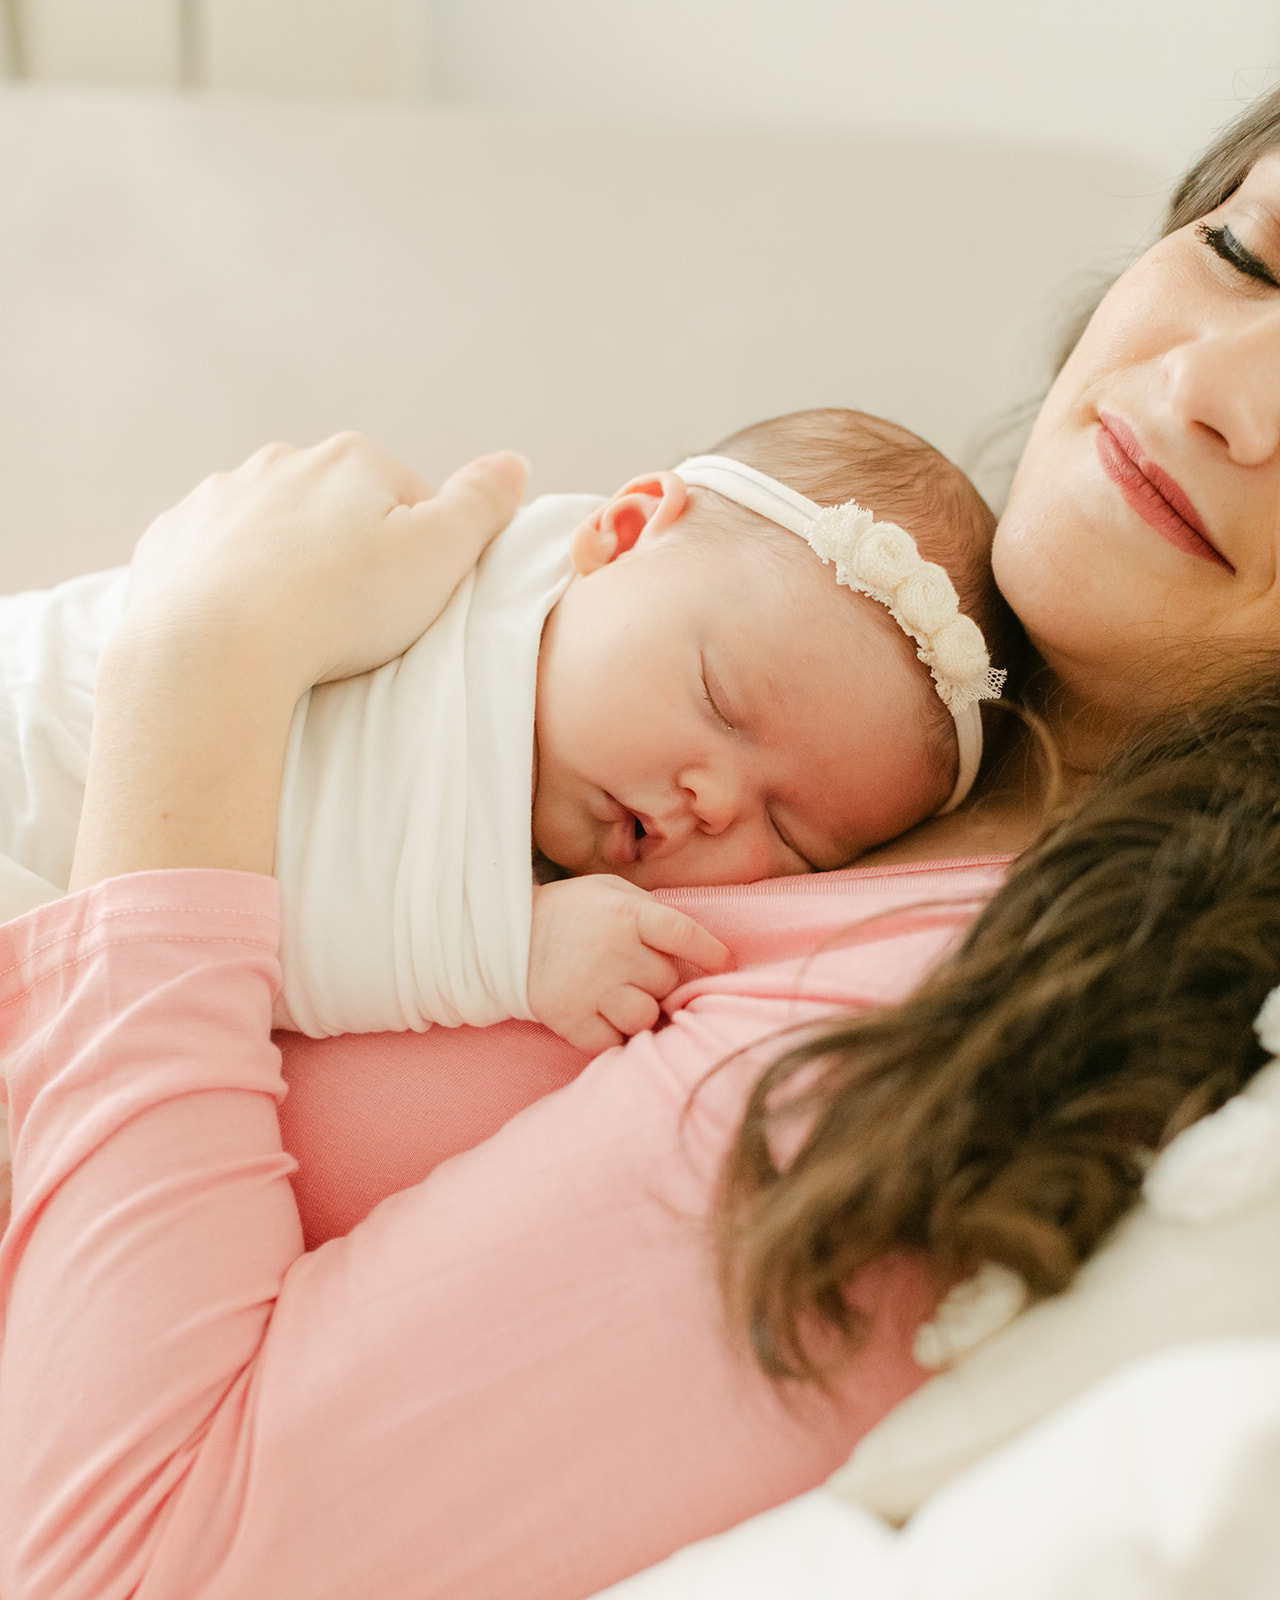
{"x":404,"y":849}
{"x":1160,"y":1483}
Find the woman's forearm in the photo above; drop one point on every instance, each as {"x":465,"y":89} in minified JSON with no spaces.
{"x":188,"y":745}
{"x":153,"y":1224}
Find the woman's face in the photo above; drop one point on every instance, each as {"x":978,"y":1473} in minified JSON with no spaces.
{"x":1141,"y":545}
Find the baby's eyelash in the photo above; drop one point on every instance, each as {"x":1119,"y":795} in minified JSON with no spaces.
{"x":787,"y":842}
{"x":1224,"y":243}
{"x":711,"y":700}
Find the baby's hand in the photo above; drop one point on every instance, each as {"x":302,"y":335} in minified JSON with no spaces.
{"x":601,"y":958}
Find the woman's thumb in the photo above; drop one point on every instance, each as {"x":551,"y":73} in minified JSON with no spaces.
{"x":508,"y":469}
{"x":488,"y":490}
{"x":453,"y":529}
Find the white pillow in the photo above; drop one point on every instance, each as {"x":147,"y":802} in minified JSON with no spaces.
{"x":1160,"y":1482}
{"x":22,"y":890}
{"x":1199,"y":1258}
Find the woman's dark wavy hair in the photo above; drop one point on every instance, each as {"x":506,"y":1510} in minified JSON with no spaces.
{"x":1103,"y":1001}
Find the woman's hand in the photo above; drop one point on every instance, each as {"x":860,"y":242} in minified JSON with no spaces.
{"x":300,"y":566}
{"x":337,"y":557}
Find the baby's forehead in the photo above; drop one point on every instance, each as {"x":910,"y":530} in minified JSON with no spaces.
{"x":724,"y":534}
{"x":732,"y":545}
{"x":792,"y":591}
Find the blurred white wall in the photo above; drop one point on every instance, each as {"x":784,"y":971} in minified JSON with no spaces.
{"x":316,"y":48}
{"x":1150,"y":79}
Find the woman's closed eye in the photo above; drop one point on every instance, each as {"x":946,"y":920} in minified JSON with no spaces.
{"x":1224,"y":243}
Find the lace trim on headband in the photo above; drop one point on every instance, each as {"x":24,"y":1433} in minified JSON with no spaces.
{"x":880,"y":559}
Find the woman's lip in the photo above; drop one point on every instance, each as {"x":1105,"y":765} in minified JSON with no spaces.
{"x":1151,"y":492}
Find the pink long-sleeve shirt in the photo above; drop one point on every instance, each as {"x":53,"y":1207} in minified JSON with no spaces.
{"x":511,"y":1379}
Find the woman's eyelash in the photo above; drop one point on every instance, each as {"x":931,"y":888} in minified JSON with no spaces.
{"x":1224,"y":243}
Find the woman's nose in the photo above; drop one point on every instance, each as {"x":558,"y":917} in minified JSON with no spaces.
{"x":1228,"y":381}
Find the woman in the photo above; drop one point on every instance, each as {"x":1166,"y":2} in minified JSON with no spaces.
{"x":513,"y":1379}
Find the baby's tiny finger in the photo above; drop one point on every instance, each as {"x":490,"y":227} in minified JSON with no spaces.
{"x":648,"y":969}
{"x":594,"y":1036}
{"x":663,"y":928}
{"x":630,"y":1010}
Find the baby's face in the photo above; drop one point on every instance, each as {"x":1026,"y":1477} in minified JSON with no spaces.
{"x":709,"y":713}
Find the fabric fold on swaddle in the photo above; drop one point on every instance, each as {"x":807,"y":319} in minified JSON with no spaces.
{"x":404,"y":852}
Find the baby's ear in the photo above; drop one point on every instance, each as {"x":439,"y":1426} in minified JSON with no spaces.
{"x":644,"y":508}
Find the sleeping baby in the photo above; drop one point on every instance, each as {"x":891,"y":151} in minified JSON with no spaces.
{"x":735,"y":669}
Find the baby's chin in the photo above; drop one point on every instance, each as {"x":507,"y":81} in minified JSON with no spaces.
{"x":670,"y":874}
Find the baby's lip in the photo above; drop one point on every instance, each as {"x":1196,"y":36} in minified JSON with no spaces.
{"x":620,"y":847}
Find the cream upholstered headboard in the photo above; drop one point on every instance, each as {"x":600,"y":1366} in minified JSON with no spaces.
{"x":183,"y":278}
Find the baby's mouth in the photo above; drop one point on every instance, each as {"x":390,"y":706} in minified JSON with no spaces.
{"x":626,"y":832}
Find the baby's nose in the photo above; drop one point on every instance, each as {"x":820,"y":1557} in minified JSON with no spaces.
{"x":714,"y":799}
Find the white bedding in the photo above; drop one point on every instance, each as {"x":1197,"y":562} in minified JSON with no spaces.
{"x":1159,"y":1484}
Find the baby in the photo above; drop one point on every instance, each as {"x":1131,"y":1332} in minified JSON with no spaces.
{"x":722,"y":673}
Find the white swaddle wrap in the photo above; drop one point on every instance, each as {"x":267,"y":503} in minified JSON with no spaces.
{"x":404,"y":852}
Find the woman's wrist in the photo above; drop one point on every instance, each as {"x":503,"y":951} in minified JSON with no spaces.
{"x":190,"y":728}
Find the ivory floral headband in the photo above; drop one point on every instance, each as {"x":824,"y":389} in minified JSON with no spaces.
{"x":880,"y":559}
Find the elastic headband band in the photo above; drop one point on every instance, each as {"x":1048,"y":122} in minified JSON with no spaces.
{"x":880,"y":560}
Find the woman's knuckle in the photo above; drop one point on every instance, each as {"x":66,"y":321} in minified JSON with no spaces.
{"x":344,"y":443}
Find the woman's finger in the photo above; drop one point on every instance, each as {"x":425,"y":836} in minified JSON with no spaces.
{"x":452,"y":530}
{"x":484,"y":495}
{"x":359,"y":455}
{"x":417,"y":556}
{"x":267,"y":456}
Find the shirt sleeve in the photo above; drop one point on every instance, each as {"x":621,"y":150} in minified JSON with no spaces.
{"x":512,"y":1379}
